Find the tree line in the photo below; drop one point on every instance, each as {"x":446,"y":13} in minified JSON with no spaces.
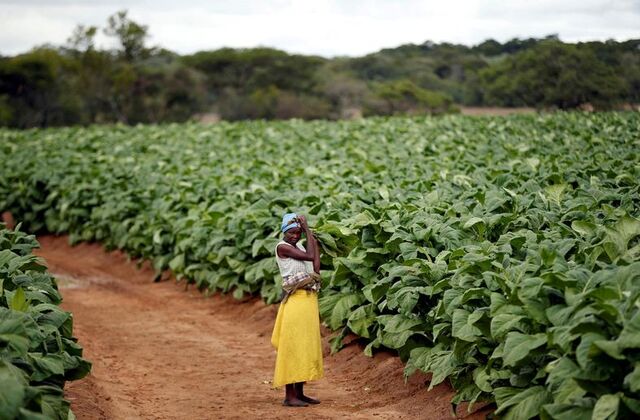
{"x":80,"y":84}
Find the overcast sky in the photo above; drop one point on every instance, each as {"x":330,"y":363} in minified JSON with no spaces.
{"x":324,"y":27}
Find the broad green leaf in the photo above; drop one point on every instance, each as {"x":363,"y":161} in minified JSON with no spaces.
{"x":568,"y":411}
{"x":555,"y":192}
{"x":361,"y":319}
{"x":12,"y":393}
{"x":482,"y":378}
{"x":462,"y":325}
{"x":46,"y":365}
{"x":398,"y":323}
{"x":518,"y":346}
{"x":630,"y":336}
{"x":631,"y":403}
{"x":583,"y":228}
{"x":384,"y":192}
{"x":19,"y":343}
{"x":619,"y":235}
{"x":395,"y":340}
{"x":606,"y":407}
{"x":442,"y":364}
{"x":375,"y":291}
{"x":417,"y":360}
{"x":632,"y":380}
{"x":473,"y":222}
{"x":611,"y":348}
{"x":177,"y":263}
{"x":517,"y":403}
{"x":584,"y":350}
{"x":501,"y":324}
{"x":342,"y":309}
{"x":19,"y":301}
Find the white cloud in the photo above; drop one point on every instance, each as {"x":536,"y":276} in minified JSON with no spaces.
{"x":325,"y":27}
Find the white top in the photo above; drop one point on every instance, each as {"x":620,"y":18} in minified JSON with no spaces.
{"x":291,"y":266}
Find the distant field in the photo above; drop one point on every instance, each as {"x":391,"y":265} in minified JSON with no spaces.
{"x":501,"y":254}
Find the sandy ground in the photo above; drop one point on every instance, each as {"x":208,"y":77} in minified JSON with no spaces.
{"x":162,"y":352}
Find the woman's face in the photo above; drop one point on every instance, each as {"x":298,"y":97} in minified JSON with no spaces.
{"x":293,"y":235}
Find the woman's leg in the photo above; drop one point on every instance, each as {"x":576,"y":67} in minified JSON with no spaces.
{"x":291,"y":397}
{"x":301,"y":396}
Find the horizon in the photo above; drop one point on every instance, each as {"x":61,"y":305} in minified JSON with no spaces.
{"x":113,"y":47}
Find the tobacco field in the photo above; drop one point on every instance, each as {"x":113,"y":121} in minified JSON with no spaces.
{"x":38,"y":352}
{"x":499,"y":254}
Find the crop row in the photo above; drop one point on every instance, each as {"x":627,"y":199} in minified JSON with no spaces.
{"x":38,"y":352}
{"x":500,"y":254}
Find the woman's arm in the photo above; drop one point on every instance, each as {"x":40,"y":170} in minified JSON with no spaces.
{"x":286,"y":251}
{"x":316,"y":253}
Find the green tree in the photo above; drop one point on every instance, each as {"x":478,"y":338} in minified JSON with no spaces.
{"x":490,"y":48}
{"x":92,"y":73}
{"x":345,"y":94}
{"x":405,"y":97}
{"x":130,"y":35}
{"x":630,"y":71}
{"x":552,"y":74}
{"x":37,"y":86}
{"x":83,"y":38}
{"x":247,"y":70}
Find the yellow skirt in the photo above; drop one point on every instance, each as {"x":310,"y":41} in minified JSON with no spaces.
{"x":296,"y":337}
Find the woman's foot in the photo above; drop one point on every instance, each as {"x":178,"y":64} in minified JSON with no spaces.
{"x":292,"y":397}
{"x":309,"y":399}
{"x":294,"y":402}
{"x":299,"y":391}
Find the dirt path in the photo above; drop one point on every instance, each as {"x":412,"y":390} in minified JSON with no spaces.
{"x":159,"y":352}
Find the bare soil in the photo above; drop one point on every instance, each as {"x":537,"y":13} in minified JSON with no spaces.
{"x":7,"y":219}
{"x":163,"y":351}
{"x":494,"y":111}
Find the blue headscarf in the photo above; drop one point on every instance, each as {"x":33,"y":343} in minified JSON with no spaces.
{"x":287,"y":222}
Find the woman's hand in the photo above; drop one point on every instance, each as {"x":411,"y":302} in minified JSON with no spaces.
{"x":303,"y":222}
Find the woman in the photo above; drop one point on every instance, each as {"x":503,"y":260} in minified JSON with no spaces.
{"x":296,"y":333}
